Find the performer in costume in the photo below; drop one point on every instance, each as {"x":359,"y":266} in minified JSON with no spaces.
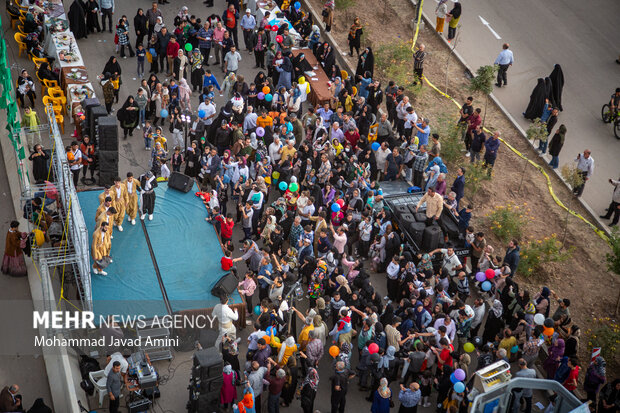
{"x":225,"y":317}
{"x":131,"y":208}
{"x":101,"y":247}
{"x":107,"y":192}
{"x":148,"y":183}
{"x":119,"y":196}
{"x":103,"y":208}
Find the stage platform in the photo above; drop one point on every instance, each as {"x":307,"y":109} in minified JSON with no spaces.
{"x":180,"y":272}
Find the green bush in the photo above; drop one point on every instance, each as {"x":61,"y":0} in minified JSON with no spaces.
{"x":536,"y":253}
{"x":507,"y":222}
{"x":395,"y":62}
{"x":475,"y":177}
{"x":604,"y":332}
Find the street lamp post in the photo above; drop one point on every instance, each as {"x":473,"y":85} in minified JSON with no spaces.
{"x":186,"y":119}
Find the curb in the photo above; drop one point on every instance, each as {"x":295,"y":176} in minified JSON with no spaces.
{"x":592,"y":215}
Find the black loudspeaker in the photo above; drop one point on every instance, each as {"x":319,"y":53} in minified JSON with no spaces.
{"x":420,"y":216}
{"x":108,"y":161}
{"x":449,"y":226}
{"x":416,"y":230}
{"x":92,"y":118}
{"x":107,"y":133}
{"x":208,"y":365}
{"x":180,"y":182}
{"x":88,"y":104}
{"x":226,"y":285}
{"x":107,"y":178}
{"x":431,"y":238}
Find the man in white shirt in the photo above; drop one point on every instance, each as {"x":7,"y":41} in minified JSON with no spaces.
{"x":451,"y":263}
{"x":249,"y":122}
{"x":401,"y":112}
{"x":76,"y":164}
{"x":393,"y":271}
{"x":225,"y":317}
{"x":231,"y":60}
{"x":381,"y":157}
{"x":275,"y":150}
{"x":479,"y":312}
{"x":585,"y":165}
{"x":209,"y":108}
{"x":449,"y":325}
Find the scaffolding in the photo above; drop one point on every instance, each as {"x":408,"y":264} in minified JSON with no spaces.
{"x":70,"y":256}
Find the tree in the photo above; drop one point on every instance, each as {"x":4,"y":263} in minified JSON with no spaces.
{"x":476,"y":175}
{"x":613,"y":258}
{"x":483,"y":83}
{"x":574,"y":179}
{"x":537,"y":131}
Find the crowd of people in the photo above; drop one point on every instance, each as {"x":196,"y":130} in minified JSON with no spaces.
{"x":304,"y":183}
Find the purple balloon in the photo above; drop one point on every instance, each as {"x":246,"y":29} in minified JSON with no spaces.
{"x":260,"y":96}
{"x":481,"y":277}
{"x":260,"y":131}
{"x":459,"y":374}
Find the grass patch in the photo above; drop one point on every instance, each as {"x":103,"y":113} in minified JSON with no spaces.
{"x":394,"y":61}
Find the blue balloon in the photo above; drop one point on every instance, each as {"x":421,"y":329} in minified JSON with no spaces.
{"x":202,"y":113}
{"x":459,"y":387}
{"x":335,"y":207}
{"x":486,"y":286}
{"x":271,"y":330}
{"x":453,"y":379}
{"x":297,"y":5}
{"x":268,"y":97}
{"x":163,"y":113}
{"x":257,"y":310}
{"x":282,"y":185}
{"x":375,"y":146}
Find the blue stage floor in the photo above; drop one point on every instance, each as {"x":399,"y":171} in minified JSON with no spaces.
{"x":186,"y":250}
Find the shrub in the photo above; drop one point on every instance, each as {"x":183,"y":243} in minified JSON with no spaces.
{"x":475,"y":177}
{"x":508,"y":221}
{"x":450,"y":140}
{"x":394,"y":62}
{"x":605,"y":333}
{"x":537,"y":131}
{"x":536,"y":253}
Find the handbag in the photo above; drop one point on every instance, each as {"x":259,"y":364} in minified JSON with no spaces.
{"x":324,"y":13}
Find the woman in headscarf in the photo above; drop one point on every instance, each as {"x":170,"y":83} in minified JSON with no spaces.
{"x":39,"y":160}
{"x":285,"y":349}
{"x":128,"y":116}
{"x":158,"y":25}
{"x":285,"y":69}
{"x":571,"y":347}
{"x":185,"y":95}
{"x":389,"y":364}
{"x":180,"y":62}
{"x":122,"y":30}
{"x":381,"y":399}
{"x":556,"y":352}
{"x":555,"y":146}
{"x":557,"y":84}
{"x":197,"y":71}
{"x":25,"y":87}
{"x":112,"y":67}
{"x":542,"y":301}
{"x":31,"y":125}
{"x":44,"y":72}
{"x":494,"y":322}
{"x":308,"y":390}
{"x":454,"y":15}
{"x":441,"y":11}
{"x":355,"y":36}
{"x":315,"y":37}
{"x":13,"y":263}
{"x":595,"y":377}
{"x":228,"y":391}
{"x":246,"y":404}
{"x":537,"y":101}
{"x":192,"y":158}
{"x":609,"y":401}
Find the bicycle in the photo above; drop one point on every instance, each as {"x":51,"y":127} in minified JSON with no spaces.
{"x":608,"y":116}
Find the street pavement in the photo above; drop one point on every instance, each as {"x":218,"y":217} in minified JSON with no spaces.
{"x":583,"y":38}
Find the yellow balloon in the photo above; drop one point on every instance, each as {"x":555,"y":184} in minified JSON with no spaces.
{"x":39,"y":237}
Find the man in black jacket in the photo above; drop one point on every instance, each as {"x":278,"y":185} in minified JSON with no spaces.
{"x":222,"y":138}
{"x":259,"y":49}
{"x":139,"y":24}
{"x":163,"y":38}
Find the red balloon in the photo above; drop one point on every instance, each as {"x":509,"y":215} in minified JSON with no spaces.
{"x":340,"y":202}
{"x":267,"y":27}
{"x":274,"y":28}
{"x":373,"y":348}
{"x":490,"y":273}
{"x":279,"y":39}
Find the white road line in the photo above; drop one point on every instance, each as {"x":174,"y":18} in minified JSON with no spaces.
{"x":486,"y":23}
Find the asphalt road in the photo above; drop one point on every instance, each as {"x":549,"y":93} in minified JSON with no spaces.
{"x":583,"y":38}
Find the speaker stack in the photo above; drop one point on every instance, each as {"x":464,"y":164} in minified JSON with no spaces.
{"x":95,"y":113}
{"x":206,"y":381}
{"x":107,"y":143}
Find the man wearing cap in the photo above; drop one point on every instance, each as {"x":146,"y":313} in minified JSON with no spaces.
{"x":248,"y":22}
{"x":409,"y":398}
{"x":526,"y":393}
{"x":131,"y":207}
{"x":148,"y":183}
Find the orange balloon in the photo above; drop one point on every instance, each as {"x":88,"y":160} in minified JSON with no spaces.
{"x":266,"y":89}
{"x":548,"y":331}
{"x":334,"y":351}
{"x":267,"y":339}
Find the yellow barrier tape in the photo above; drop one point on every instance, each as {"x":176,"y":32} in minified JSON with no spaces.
{"x":600,"y":233}
{"x":417,"y":26}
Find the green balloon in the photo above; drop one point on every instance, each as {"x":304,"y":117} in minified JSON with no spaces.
{"x":293,"y":187}
{"x":468,"y":347}
{"x":188,"y":47}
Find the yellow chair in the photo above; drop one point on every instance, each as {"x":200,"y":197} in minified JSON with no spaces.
{"x":21,"y":29}
{"x":60,"y":120}
{"x":59,"y":102}
{"x":56,"y":92}
{"x":344,"y":74}
{"x":38,"y":60}
{"x":50,"y":83}
{"x":22,"y":20}
{"x":354,"y":89}
{"x":20,"y":39}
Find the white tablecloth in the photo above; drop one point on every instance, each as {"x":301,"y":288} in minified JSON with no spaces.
{"x":260,"y":14}
{"x":58,"y":46}
{"x":74,"y":100}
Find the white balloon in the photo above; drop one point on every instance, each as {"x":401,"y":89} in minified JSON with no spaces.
{"x":539,"y":319}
